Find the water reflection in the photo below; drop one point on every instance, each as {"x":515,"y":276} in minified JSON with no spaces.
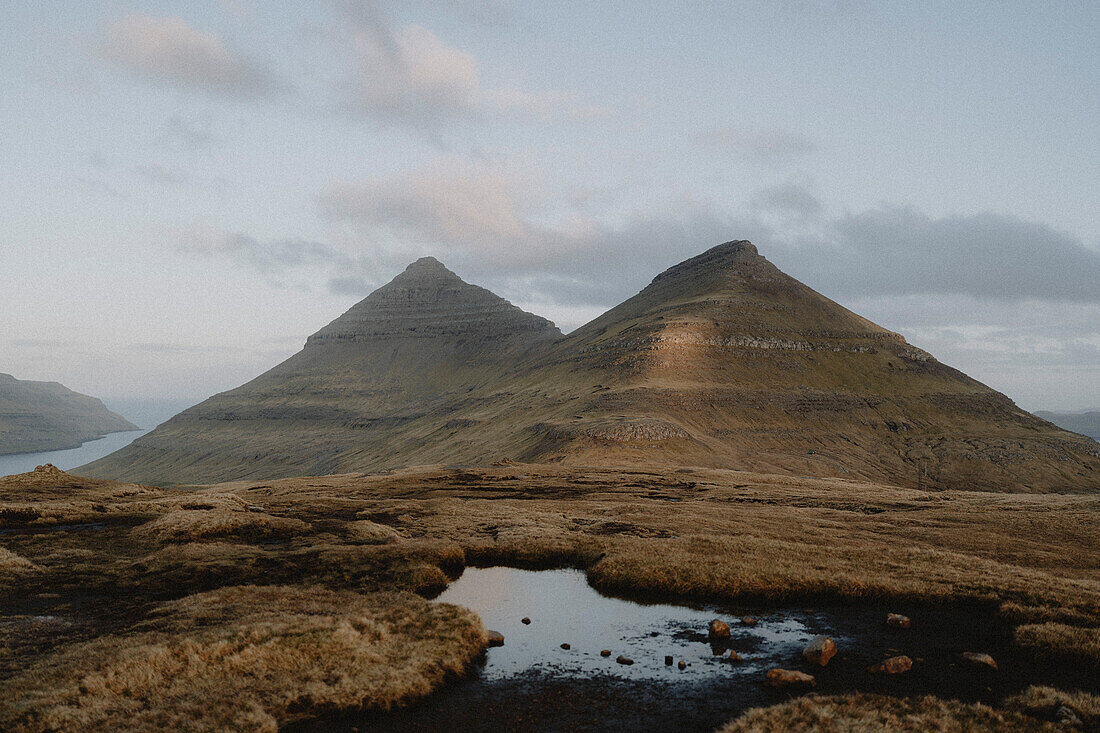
{"x":564,"y":608}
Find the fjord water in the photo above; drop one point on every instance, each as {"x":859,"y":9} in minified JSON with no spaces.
{"x":142,"y":412}
{"x":70,"y":458}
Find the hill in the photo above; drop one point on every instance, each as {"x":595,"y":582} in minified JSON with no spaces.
{"x":1085,"y":423}
{"x":722,"y":361}
{"x":39,"y":416}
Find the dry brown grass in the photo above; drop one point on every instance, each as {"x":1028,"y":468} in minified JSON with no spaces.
{"x":198,"y":525}
{"x":246,"y":658}
{"x":1050,"y":703}
{"x":706,"y":534}
{"x":13,"y":566}
{"x":1073,"y":644}
{"x":846,"y":714}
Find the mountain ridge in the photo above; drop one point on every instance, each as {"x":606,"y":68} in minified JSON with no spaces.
{"x":38,"y":416}
{"x":721,"y":361}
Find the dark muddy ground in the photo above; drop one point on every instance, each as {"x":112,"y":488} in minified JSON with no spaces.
{"x":532,"y":683}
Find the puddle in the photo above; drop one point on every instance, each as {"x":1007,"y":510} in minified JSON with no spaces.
{"x":531,"y":683}
{"x":564,"y":609}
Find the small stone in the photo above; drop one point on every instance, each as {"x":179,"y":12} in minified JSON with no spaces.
{"x":605,"y":653}
{"x":668,"y":661}
{"x":681,"y":664}
{"x":892,"y":665}
{"x":979,"y":659}
{"x":525,"y":621}
{"x":495,"y":638}
{"x":734,"y":657}
{"x":1067,"y":716}
{"x":718,"y":630}
{"x":897,"y":621}
{"x":781,"y":678}
{"x":624,"y":660}
{"x":565,"y":646}
{"x":749,"y":621}
{"x":820,"y":651}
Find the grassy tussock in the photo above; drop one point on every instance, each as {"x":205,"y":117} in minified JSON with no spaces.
{"x":364,"y":530}
{"x":844,"y":714}
{"x":13,"y":566}
{"x":1023,"y":614}
{"x":247,"y":658}
{"x":1073,"y":644}
{"x":1048,"y":702}
{"x":197,"y":525}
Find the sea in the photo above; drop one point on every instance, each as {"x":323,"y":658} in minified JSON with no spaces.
{"x":146,"y":414}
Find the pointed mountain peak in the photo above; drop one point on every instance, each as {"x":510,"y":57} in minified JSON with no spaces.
{"x":724,"y":256}
{"x":431,"y":267}
{"x":428,"y":300}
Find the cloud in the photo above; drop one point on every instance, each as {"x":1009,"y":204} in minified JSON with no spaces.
{"x":189,"y":134}
{"x":168,"y":50}
{"x":787,"y":200}
{"x":894,"y":250}
{"x":413,"y":76}
{"x":157,"y":173}
{"x":450,"y":200}
{"x":760,"y":146}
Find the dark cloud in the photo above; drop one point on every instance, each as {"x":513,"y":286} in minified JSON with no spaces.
{"x":786,"y":199}
{"x":899,"y":251}
{"x":170,"y":51}
{"x":762,"y":146}
{"x":157,"y":173}
{"x":188,"y":134}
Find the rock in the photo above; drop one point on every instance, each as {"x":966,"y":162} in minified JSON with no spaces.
{"x":565,"y":646}
{"x":979,"y":659}
{"x":668,"y":661}
{"x":525,"y":621}
{"x":624,"y":660}
{"x":897,"y":621}
{"x":781,"y":678}
{"x":820,"y":650}
{"x":1067,"y":716}
{"x":892,"y":665}
{"x":734,"y":657}
{"x":605,"y":653}
{"x":749,"y":621}
{"x":681,"y":664}
{"x":718,"y":631}
{"x":495,"y":638}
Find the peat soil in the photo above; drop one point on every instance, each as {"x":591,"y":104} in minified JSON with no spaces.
{"x":532,"y":683}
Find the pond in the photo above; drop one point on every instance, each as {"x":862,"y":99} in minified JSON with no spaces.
{"x":532,"y":683}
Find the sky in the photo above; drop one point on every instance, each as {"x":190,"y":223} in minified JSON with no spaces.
{"x":189,"y":189}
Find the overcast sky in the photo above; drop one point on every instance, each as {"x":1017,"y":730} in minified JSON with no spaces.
{"x":189,"y":189}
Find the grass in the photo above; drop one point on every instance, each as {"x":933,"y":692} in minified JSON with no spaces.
{"x":13,"y":566}
{"x":1050,"y":703}
{"x":844,"y":714}
{"x":706,"y":534}
{"x":199,"y":525}
{"x":246,"y":658}
{"x":1072,"y":644}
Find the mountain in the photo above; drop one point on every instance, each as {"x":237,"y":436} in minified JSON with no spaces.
{"x":722,"y":361}
{"x":38,"y":416}
{"x":422,"y":346}
{"x":1085,"y":423}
